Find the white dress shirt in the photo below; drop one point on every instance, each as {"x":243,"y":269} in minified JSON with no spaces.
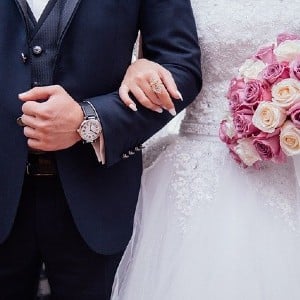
{"x":37,"y":8}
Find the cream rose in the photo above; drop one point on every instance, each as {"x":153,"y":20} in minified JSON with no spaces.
{"x":229,"y":127}
{"x":290,"y":139}
{"x":286,"y":92}
{"x":247,"y":152}
{"x":251,"y":68}
{"x":268,"y":116}
{"x":287,"y":50}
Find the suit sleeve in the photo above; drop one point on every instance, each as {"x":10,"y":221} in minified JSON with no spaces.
{"x":170,"y":39}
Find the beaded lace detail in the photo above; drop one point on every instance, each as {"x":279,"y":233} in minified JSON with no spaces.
{"x":194,"y":180}
{"x":229,"y":32}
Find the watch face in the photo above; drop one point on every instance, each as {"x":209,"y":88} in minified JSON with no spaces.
{"x":90,"y":130}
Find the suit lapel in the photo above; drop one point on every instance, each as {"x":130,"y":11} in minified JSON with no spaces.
{"x":22,"y":6}
{"x":68,"y":13}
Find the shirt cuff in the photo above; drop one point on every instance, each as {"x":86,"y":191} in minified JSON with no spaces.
{"x":99,"y":148}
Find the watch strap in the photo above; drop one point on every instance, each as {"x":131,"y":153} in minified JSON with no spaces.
{"x":88,"y":110}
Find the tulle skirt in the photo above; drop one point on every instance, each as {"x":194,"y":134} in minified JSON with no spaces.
{"x":207,"y":229}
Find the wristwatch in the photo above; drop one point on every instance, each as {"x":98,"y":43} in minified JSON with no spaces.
{"x":90,"y":128}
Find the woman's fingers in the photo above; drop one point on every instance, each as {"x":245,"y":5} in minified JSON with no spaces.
{"x":152,"y":86}
{"x":159,"y":90}
{"x":146,"y":88}
{"x":169,"y":83}
{"x":124,"y":95}
{"x":139,"y":94}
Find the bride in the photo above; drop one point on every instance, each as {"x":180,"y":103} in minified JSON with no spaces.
{"x":204,"y":227}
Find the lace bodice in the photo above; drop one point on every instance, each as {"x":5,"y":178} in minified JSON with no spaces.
{"x":229,"y":32}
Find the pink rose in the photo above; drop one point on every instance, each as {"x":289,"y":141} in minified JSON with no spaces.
{"x":287,"y":37}
{"x":266,"y":54}
{"x":255,"y":92}
{"x":268,"y":147}
{"x":276,"y":72}
{"x":294,"y":113}
{"x":236,"y":93}
{"x":295,"y":69}
{"x":242,"y":120}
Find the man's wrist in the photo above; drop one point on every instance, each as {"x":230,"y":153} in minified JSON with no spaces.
{"x":90,"y":128}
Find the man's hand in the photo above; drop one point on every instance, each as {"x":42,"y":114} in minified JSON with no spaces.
{"x":51,"y":118}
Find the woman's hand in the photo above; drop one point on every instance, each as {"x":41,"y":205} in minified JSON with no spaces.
{"x":151,"y":84}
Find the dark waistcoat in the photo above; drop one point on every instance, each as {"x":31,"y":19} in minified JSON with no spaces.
{"x":43,"y":42}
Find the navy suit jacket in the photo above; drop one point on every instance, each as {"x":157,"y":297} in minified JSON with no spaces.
{"x":95,"y":50}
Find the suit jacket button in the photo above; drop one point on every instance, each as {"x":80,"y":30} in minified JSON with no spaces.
{"x":37,"y":50}
{"x":125,"y":156}
{"x":131,"y":152}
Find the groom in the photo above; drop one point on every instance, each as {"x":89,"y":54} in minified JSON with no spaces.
{"x":71,"y":163}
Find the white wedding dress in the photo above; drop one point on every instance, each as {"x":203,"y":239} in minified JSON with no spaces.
{"x":205,"y":228}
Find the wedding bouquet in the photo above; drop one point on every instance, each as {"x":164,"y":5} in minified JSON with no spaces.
{"x":263,"y":123}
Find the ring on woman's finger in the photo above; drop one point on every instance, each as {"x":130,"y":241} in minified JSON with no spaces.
{"x":156,"y":86}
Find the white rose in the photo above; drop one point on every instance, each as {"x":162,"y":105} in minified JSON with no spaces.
{"x":229,"y":127}
{"x":247,"y":152}
{"x":290,"y":139}
{"x":286,"y":92}
{"x":251,"y":69}
{"x":287,"y":50}
{"x":268,"y":116}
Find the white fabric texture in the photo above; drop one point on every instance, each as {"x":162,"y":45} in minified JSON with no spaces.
{"x":37,"y":7}
{"x":204,"y":227}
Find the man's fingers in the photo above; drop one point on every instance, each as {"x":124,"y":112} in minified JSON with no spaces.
{"x":28,"y":120}
{"x":40,"y":93}
{"x":34,"y":144}
{"x":30,"y":133}
{"x":30,"y":108}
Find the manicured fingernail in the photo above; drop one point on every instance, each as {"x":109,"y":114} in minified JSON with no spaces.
{"x":132,"y":106}
{"x":159,"y":110}
{"x":179,"y":95}
{"x":172,"y":111}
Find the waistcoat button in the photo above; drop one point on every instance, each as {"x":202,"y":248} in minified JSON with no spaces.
{"x":37,"y":50}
